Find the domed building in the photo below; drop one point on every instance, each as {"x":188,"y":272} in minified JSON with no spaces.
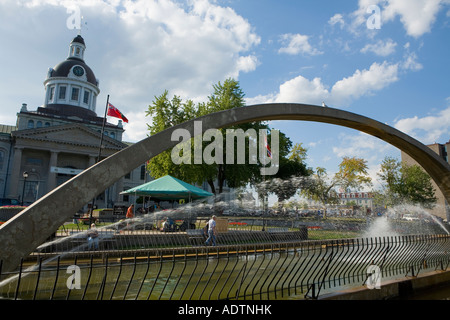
{"x":61,"y":138}
{"x":71,"y":87}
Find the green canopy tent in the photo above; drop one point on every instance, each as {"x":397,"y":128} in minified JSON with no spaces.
{"x":168,"y":188}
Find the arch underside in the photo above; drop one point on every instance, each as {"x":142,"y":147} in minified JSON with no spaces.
{"x":28,"y":229}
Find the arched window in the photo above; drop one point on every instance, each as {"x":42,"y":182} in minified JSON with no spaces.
{"x":30,"y":124}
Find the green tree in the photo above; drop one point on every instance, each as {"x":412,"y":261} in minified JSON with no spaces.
{"x":352,"y":174}
{"x":291,"y":173}
{"x":405,"y":183}
{"x":229,"y":95}
{"x":166,"y":113}
{"x":321,"y":188}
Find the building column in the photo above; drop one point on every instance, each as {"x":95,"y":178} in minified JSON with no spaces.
{"x":118,"y":188}
{"x":16,"y":174}
{"x":91,"y":161}
{"x":51,"y":183}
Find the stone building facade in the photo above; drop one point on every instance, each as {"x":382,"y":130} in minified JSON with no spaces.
{"x":61,"y":138}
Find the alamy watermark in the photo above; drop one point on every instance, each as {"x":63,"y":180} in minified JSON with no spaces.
{"x":74,"y":20}
{"x":374,"y":21}
{"x":373,"y":277}
{"x":74,"y":280}
{"x":258,"y":147}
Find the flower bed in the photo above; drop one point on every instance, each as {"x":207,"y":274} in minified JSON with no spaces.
{"x":235,"y":224}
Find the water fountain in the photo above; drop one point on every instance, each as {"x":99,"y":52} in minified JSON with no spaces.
{"x":161,"y":263}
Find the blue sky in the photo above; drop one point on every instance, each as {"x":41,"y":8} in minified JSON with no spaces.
{"x":280,"y":51}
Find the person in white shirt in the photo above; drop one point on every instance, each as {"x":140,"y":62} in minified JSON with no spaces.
{"x":211,"y":231}
{"x":92,"y":237}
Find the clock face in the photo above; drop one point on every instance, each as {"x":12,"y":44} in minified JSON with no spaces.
{"x":78,"y":71}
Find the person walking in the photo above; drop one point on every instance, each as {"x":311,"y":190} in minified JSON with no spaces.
{"x":211,"y":231}
{"x":92,"y":237}
{"x":130,"y":215}
{"x":130,"y":212}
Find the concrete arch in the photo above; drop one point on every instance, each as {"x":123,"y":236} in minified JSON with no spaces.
{"x":27,"y":230}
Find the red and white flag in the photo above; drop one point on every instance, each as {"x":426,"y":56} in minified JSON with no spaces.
{"x":114,"y":112}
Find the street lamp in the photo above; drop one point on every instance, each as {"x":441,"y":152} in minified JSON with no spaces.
{"x":25,"y":176}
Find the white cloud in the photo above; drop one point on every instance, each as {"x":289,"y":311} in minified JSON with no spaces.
{"x":297,"y":43}
{"x":302,"y":90}
{"x":245,"y":64}
{"x":337,"y":19}
{"x":136,"y":128}
{"x":417,"y":16}
{"x":380,"y":48}
{"x":183,"y":50}
{"x":137,"y":49}
{"x":361,"y":145}
{"x":428,"y":129}
{"x":410,"y":62}
{"x":365,"y":82}
{"x":361,"y":83}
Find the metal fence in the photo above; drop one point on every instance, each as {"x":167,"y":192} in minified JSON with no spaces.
{"x":283,"y":270}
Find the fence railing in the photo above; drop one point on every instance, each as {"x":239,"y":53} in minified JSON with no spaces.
{"x":289,"y":269}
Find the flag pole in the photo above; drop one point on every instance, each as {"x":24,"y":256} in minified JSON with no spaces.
{"x":103,"y":129}
{"x":99,"y":154}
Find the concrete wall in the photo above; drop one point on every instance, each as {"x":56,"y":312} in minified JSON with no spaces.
{"x":394,"y":289}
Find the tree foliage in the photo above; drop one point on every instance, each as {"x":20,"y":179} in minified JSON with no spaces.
{"x":166,"y":113}
{"x":291,"y":173}
{"x":405,"y":183}
{"x":352,"y":174}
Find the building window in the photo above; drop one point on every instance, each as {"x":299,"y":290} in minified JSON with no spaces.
{"x":86,"y":97}
{"x":39,"y":124}
{"x":62,"y":93}
{"x":30,"y":124}
{"x":47,"y":124}
{"x":126,"y":198}
{"x":143,"y":172}
{"x":75,"y":94}
{"x":51,"y":94}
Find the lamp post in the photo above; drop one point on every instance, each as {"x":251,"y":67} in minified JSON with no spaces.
{"x":25,"y":176}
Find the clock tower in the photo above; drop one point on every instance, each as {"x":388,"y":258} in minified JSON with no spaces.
{"x":71,"y":88}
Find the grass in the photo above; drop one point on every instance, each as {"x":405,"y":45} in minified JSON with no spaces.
{"x":313,"y":234}
{"x":331,"y":234}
